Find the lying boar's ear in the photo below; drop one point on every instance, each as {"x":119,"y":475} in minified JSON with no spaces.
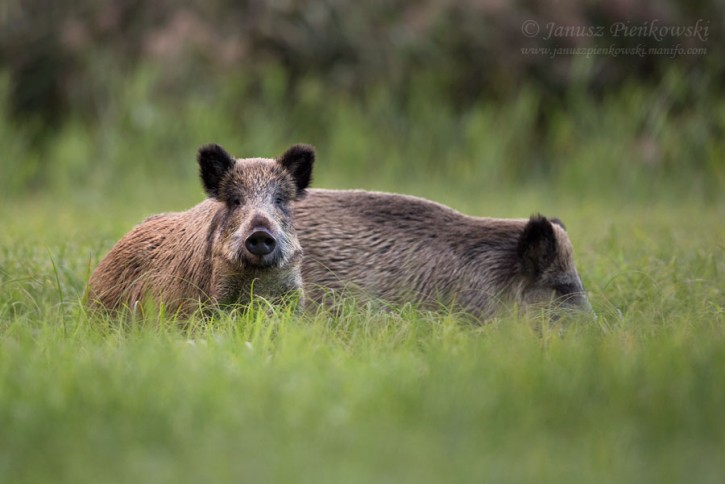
{"x":214,"y":162}
{"x":537,"y":246}
{"x":298,"y":160}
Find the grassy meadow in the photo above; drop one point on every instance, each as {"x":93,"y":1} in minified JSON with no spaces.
{"x":268,"y":395}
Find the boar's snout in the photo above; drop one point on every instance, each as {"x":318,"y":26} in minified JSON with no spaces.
{"x":260,"y":242}
{"x":577,"y":301}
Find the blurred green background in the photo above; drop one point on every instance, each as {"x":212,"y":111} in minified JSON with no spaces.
{"x":106,"y":99}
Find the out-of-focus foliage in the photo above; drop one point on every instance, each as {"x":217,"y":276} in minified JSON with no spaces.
{"x":634,"y":143}
{"x":391,"y":92}
{"x":58,"y":52}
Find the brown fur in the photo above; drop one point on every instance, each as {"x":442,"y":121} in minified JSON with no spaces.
{"x":405,"y":249}
{"x":197,"y":256}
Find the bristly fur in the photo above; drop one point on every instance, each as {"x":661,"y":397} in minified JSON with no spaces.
{"x":214,"y":163}
{"x":557,"y":221}
{"x":298,"y":160}
{"x":403,"y":249}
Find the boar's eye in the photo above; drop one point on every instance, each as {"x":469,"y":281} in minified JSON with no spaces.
{"x":279,"y":200}
{"x":236,"y":201}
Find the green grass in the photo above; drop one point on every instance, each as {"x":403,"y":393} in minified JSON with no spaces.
{"x":636,"y":395}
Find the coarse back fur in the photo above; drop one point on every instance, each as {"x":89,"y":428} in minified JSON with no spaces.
{"x":406,"y":249}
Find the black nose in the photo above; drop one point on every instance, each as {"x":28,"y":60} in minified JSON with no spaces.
{"x":260,"y":243}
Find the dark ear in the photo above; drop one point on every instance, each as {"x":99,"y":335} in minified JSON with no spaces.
{"x":214,"y":162}
{"x":537,"y":246}
{"x":298,"y":160}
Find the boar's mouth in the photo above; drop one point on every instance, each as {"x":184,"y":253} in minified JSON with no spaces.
{"x":575,"y":300}
{"x":261,"y":262}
